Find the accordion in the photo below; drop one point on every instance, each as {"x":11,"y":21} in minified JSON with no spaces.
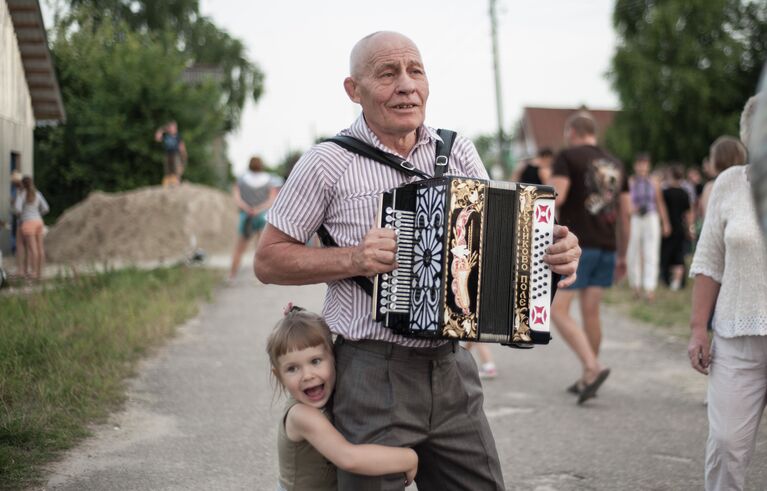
{"x":469,"y":261}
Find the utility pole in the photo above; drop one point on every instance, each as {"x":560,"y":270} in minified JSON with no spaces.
{"x":502,"y":148}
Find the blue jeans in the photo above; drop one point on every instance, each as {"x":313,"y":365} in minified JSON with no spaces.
{"x":595,"y":268}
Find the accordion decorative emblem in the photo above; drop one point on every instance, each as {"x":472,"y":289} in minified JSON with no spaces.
{"x":470,"y":261}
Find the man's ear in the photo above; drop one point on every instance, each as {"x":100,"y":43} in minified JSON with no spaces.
{"x":350,"y":86}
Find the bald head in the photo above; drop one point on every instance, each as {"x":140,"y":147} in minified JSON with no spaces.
{"x":363,"y":53}
{"x":389,"y":81}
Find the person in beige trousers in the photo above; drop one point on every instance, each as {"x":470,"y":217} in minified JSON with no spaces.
{"x":729,"y":270}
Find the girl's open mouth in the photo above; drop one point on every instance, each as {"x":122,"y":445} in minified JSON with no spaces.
{"x":315,"y":393}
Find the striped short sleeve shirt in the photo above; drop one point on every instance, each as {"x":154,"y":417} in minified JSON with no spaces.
{"x":340,"y":189}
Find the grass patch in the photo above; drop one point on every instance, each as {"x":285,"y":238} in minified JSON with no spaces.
{"x":670,"y":310}
{"x":66,"y":350}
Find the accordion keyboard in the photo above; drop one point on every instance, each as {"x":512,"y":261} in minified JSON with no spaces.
{"x":543,"y":237}
{"x":396,"y":286}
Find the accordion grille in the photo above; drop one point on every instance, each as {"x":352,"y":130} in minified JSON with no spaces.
{"x":496,"y":303}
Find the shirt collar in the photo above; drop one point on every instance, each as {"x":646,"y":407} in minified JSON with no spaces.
{"x":360,"y":130}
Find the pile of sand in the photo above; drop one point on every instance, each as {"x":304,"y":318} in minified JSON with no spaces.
{"x":147,"y":224}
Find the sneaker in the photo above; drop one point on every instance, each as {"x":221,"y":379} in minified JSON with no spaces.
{"x":488,"y":371}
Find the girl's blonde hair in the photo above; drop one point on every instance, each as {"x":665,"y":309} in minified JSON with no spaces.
{"x":298,"y":330}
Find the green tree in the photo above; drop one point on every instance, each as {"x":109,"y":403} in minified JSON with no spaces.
{"x":487,"y":148}
{"x":194,"y":35}
{"x":683,"y":70}
{"x":118,"y":85}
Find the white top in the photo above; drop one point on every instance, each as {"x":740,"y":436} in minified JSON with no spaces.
{"x":254,"y":187}
{"x":731,"y":251}
{"x":30,"y":211}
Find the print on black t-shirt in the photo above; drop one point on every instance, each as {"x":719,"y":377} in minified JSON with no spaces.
{"x":603,"y":179}
{"x":597,"y":179}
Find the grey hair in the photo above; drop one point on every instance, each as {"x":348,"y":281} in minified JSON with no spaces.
{"x":747,"y":117}
{"x":356,"y":56}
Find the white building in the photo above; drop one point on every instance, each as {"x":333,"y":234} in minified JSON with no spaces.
{"x":29,"y":93}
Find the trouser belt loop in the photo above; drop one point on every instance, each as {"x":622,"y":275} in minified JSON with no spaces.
{"x":455,"y":345}
{"x":389,"y":350}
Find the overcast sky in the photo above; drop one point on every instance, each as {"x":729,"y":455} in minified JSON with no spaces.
{"x":553,"y":53}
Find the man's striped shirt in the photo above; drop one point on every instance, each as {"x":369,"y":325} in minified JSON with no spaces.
{"x":340,"y":189}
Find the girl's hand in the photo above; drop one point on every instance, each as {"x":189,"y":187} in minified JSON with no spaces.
{"x":410,"y":473}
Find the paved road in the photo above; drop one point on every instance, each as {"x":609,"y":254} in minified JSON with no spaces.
{"x":201,"y":414}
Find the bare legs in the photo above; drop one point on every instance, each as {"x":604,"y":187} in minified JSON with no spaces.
{"x":485,"y":355}
{"x":590,"y":299}
{"x":33,"y":261}
{"x":21,"y":254}
{"x":487,"y":364}
{"x":41,"y":256}
{"x":677,"y":275}
{"x":584,"y":342}
{"x":239,"y":250}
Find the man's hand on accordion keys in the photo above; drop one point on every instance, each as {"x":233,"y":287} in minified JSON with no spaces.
{"x":563,"y":255}
{"x":376,"y":253}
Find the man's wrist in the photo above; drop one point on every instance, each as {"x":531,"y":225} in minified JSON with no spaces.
{"x":348,"y":261}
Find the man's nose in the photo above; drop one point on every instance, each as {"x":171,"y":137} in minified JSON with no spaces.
{"x":405,"y":83}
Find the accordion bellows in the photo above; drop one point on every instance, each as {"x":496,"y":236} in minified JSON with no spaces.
{"x":470,"y":261}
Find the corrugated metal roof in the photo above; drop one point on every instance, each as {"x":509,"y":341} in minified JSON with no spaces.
{"x":38,"y":65}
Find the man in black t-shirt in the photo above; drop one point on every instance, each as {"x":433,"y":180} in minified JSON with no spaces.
{"x":593,"y":201}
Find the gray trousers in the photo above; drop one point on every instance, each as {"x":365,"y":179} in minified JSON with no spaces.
{"x":737,"y":395}
{"x":429,"y":399}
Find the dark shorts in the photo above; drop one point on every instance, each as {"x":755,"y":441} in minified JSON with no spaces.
{"x":251,"y":224}
{"x":595,"y":268}
{"x":429,"y":399}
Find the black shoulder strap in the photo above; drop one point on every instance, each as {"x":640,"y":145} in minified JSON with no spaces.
{"x":444,"y":147}
{"x":328,"y":241}
{"x":395,"y":162}
{"x":389,"y":159}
